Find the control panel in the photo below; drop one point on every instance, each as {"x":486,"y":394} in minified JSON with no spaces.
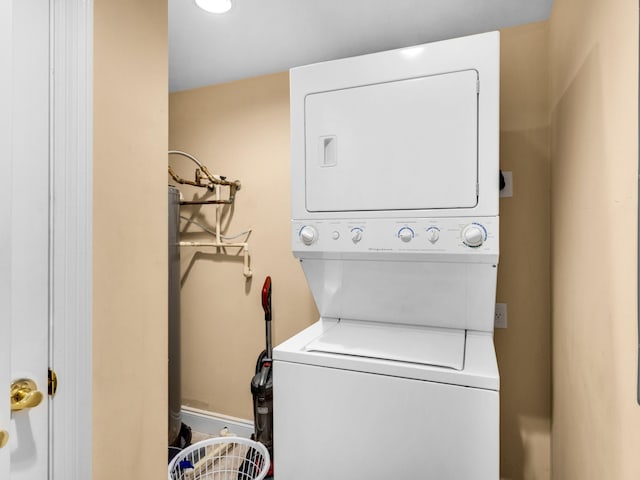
{"x":467,"y":236}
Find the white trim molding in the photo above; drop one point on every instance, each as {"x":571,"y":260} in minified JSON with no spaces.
{"x":212,"y":423}
{"x":71,"y":249}
{"x":6,"y":155}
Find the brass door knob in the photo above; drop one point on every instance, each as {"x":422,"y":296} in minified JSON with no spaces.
{"x":4,"y":438}
{"x":24,"y":394}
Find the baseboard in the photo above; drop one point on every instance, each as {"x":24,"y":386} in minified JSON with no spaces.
{"x":212,"y":423}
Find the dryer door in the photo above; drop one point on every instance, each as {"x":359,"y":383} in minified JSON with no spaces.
{"x":402,"y":145}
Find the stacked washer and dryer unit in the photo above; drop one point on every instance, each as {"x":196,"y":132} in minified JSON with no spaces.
{"x":395,"y":182}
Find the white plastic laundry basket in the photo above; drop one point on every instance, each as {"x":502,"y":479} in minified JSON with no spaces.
{"x":222,"y":458}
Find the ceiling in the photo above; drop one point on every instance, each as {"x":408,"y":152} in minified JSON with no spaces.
{"x":258,"y":37}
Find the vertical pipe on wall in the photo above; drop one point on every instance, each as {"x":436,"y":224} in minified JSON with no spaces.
{"x":175,"y":394}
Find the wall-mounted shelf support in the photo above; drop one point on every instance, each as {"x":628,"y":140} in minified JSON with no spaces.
{"x":244,"y":246}
{"x":213,"y":183}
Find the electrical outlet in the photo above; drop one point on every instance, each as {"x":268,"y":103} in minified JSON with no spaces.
{"x":507,"y":191}
{"x":501,"y":315}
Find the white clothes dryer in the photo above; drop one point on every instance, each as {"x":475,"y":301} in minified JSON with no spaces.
{"x":394,"y":163}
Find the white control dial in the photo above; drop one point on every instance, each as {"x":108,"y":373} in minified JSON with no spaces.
{"x":405,"y":234}
{"x":308,"y":234}
{"x":433,"y":234}
{"x":356,"y":235}
{"x":473,"y":235}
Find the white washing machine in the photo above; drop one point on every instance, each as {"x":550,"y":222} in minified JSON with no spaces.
{"x":395,"y":180}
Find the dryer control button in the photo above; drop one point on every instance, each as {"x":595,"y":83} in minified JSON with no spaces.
{"x":356,"y":235}
{"x":405,"y":234}
{"x":433,"y":234}
{"x":474,"y":235}
{"x":308,"y":234}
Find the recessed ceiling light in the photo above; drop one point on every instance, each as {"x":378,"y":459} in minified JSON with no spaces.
{"x":214,"y":6}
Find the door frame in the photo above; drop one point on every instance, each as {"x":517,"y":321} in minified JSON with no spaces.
{"x":6,"y":94}
{"x":71,"y":212}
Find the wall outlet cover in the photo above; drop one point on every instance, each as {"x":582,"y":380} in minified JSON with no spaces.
{"x":501,"y":315}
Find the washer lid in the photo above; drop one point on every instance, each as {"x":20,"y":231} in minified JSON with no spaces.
{"x":404,"y":343}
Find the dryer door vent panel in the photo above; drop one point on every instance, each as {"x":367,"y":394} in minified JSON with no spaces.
{"x":403,"y":145}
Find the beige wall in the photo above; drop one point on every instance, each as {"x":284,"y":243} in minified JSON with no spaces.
{"x":130,"y":231}
{"x":523,"y":349}
{"x":240,"y":130}
{"x":594,"y":108}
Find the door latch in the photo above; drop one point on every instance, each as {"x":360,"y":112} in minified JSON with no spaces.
{"x":53,"y":383}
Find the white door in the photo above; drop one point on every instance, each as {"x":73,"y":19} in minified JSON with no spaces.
{"x":45,"y":167}
{"x":24,"y":354}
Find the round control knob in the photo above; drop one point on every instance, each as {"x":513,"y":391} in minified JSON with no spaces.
{"x":356,"y":235}
{"x":335,"y":235}
{"x":308,"y":234}
{"x":405,"y":234}
{"x":433,"y":234}
{"x":473,"y":235}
